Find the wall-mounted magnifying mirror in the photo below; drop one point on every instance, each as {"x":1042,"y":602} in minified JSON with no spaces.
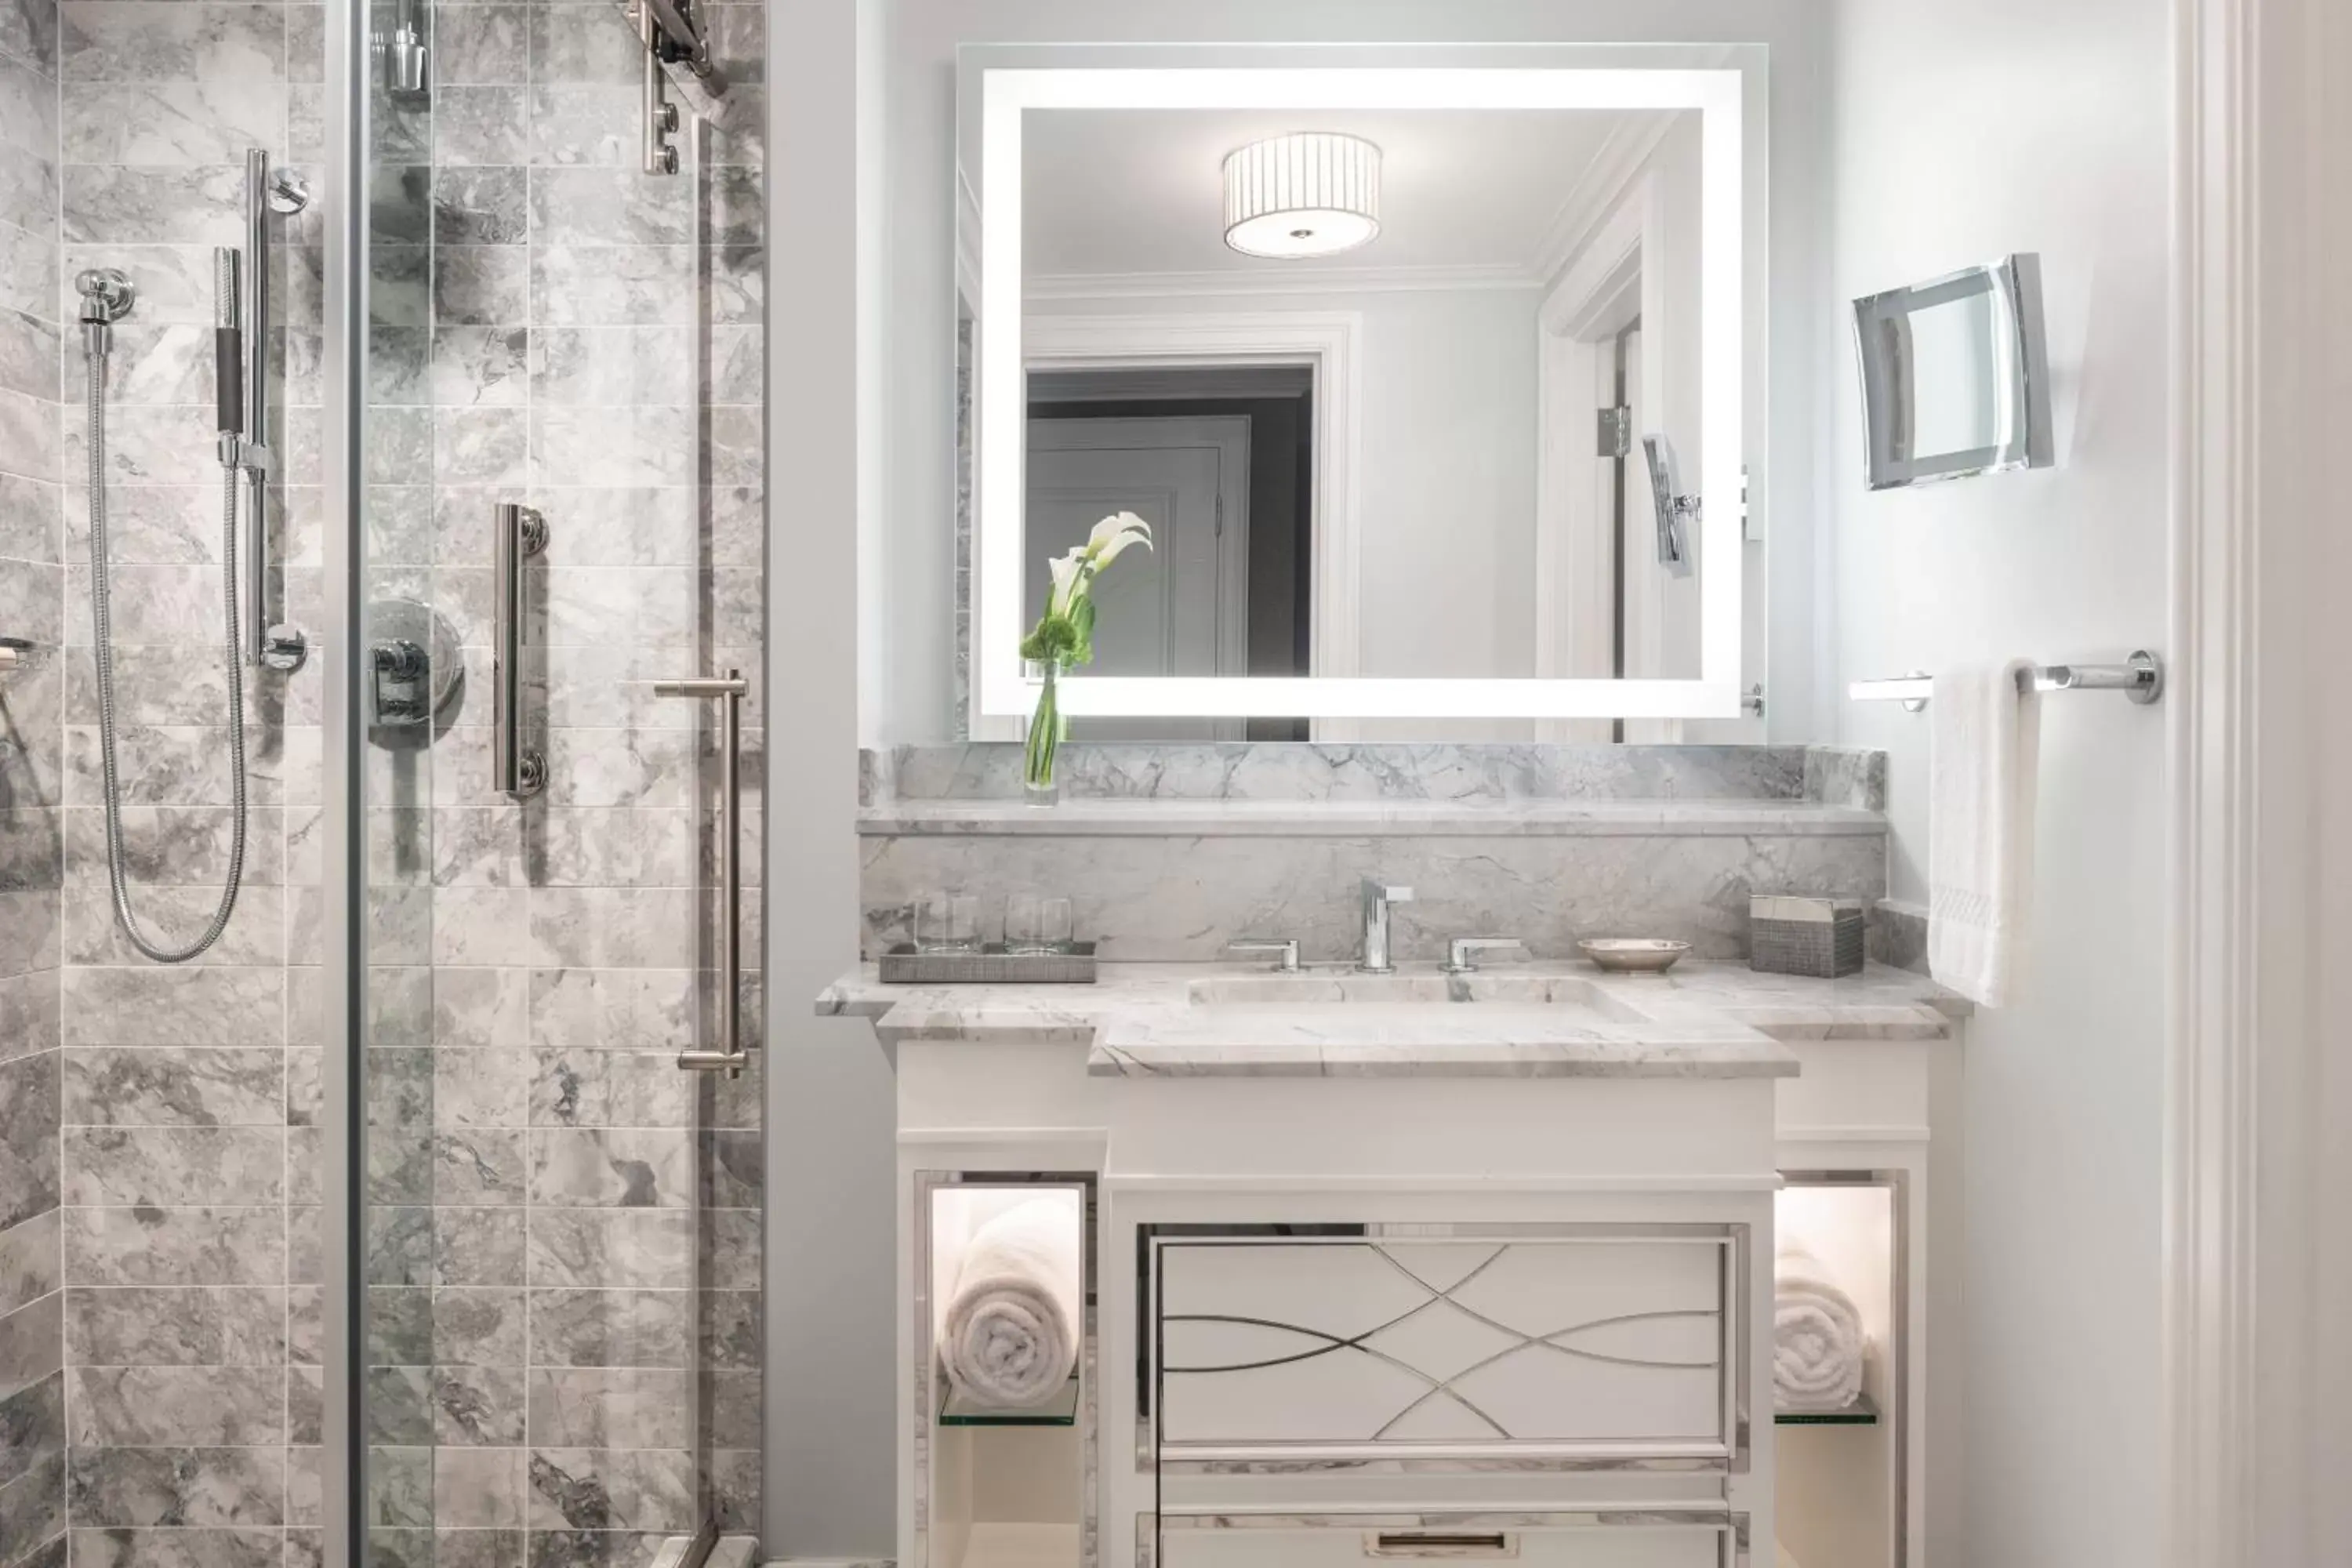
{"x":1341,"y":334}
{"x":1677,"y":514}
{"x":1955,"y":376}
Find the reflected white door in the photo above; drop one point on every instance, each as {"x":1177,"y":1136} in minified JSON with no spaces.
{"x":1182,"y":607}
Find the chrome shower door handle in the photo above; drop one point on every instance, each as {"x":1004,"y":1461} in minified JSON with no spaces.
{"x":517,"y":771}
{"x":729,"y":689}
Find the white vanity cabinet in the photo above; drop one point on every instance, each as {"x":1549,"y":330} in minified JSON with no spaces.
{"x":1408,"y":1313}
{"x":1538,"y":1300}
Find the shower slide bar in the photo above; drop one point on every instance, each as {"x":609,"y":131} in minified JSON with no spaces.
{"x":241,"y":334}
{"x":2139,"y":677}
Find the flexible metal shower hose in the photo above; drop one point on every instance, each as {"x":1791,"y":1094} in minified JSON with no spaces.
{"x":101,"y":596}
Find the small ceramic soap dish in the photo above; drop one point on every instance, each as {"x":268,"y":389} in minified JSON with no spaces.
{"x":1633,"y":954}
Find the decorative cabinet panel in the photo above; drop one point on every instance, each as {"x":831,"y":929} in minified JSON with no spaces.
{"x":1617,"y":1540}
{"x":1615,"y":1341}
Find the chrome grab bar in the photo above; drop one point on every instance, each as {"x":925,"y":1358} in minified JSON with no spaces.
{"x":730,"y":689}
{"x":517,"y":770}
{"x":2139,"y":677}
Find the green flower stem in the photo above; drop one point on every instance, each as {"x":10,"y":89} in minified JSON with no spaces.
{"x":1046,"y":728}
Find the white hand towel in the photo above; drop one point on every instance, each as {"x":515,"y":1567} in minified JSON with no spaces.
{"x":1982,"y":764}
{"x":1817,"y":1336}
{"x":1011,"y":1335}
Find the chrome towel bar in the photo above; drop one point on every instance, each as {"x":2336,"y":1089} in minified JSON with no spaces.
{"x":730,"y":689}
{"x":517,"y":771}
{"x":2139,"y":677}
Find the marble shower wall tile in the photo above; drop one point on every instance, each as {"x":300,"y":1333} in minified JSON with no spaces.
{"x":32,"y":1439}
{"x":536,"y":304}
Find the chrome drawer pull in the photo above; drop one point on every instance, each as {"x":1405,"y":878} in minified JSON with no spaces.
{"x":1449,"y":1543}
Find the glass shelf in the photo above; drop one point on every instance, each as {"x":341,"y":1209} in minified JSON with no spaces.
{"x":1862,"y":1412}
{"x":1062,"y":1410}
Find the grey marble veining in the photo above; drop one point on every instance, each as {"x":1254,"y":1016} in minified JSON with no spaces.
{"x":1184,"y":898}
{"x":534,"y":972}
{"x":1099,"y":819}
{"x":1431,"y":1040}
{"x":1846,"y":775}
{"x":1291,"y":771}
{"x":1188,"y":1019}
{"x":1170,"y":852}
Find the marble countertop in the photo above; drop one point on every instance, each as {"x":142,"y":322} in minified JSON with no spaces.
{"x":1142,"y":1019}
{"x":1293,"y":819}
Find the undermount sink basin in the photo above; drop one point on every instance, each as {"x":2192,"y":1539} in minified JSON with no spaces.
{"x":1359,"y":995}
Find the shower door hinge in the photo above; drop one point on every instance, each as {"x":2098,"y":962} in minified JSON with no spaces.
{"x":1616,"y":433}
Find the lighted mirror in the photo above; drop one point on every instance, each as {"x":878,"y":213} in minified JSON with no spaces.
{"x":1955,"y":378}
{"x":1372,"y":351}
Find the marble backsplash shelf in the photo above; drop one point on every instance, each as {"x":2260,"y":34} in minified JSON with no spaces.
{"x":1529,"y":819}
{"x":1170,"y":852}
{"x":1462,"y":775}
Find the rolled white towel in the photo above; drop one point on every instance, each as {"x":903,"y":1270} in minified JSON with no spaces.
{"x":1011,"y":1334}
{"x":1817,"y":1336}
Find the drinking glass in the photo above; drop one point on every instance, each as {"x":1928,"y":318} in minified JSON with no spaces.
{"x":1054,"y":925}
{"x":1024,"y":915}
{"x":947,"y":923}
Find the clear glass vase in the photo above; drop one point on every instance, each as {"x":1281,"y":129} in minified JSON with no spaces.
{"x":1041,"y":784}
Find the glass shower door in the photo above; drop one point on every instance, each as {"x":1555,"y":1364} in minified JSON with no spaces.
{"x":556,"y":473}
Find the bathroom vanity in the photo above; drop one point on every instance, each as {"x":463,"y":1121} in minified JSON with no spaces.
{"x":1411,"y":1266}
{"x":1385,"y":1259}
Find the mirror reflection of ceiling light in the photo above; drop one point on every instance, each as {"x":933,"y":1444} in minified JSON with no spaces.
{"x":1312,"y":193}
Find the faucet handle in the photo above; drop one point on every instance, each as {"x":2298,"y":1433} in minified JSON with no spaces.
{"x":1285,"y":947}
{"x":1387,"y":893}
{"x":1461,"y":954}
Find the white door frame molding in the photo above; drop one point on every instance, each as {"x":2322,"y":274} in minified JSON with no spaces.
{"x":2257,"y":1258}
{"x":1604,"y":290}
{"x":1615,"y":280}
{"x":1327,"y":341}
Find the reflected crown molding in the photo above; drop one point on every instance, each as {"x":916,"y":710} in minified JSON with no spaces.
{"x":1284,"y":279}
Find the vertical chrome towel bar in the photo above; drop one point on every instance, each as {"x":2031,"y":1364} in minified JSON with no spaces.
{"x":517,"y":771}
{"x":730,"y":689}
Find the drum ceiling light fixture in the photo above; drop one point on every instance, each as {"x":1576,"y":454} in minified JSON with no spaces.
{"x":1315,"y":192}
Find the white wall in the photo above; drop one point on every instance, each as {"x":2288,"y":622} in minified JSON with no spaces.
{"x":1447,"y":468}
{"x":1960,"y":133}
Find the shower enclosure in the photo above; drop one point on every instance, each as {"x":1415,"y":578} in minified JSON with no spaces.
{"x":415,"y":1218}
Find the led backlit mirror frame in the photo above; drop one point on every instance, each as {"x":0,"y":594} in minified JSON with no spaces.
{"x":1009,"y":93}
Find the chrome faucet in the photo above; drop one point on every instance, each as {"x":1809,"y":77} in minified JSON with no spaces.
{"x":1378,"y":896}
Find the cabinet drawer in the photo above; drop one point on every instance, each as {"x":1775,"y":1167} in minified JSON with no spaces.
{"x":1662,"y":1540}
{"x":1611,"y":1342}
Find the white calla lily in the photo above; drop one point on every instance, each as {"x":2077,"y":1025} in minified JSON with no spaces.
{"x":1064,"y":570}
{"x":1115,"y":533}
